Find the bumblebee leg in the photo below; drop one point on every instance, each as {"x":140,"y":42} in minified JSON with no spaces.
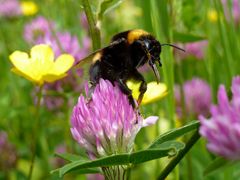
{"x":143,"y":86}
{"x":122,"y":85}
{"x":95,"y":75}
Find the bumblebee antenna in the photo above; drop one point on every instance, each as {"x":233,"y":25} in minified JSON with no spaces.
{"x":173,"y":46}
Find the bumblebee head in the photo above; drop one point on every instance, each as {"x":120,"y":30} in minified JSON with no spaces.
{"x":146,"y":49}
{"x":154,"y":49}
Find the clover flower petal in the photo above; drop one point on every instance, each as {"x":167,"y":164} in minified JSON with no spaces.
{"x":222,"y":130}
{"x":40,"y":67}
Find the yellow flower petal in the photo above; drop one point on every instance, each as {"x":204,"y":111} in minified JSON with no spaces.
{"x":53,"y":77}
{"x":41,"y":67}
{"x":16,"y":71}
{"x":28,"y":8}
{"x":134,"y":87}
{"x":42,"y":52}
{"x":20,"y":60}
{"x":62,"y":64}
{"x":212,"y":15}
{"x":42,"y":58}
{"x":24,"y":66}
{"x":154,"y":91}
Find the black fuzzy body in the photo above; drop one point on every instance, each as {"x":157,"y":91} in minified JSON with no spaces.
{"x":119,"y":61}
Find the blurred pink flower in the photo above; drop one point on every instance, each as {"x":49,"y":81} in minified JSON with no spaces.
{"x":38,"y":29}
{"x":68,"y":84}
{"x":235,"y":11}
{"x":107,"y":124}
{"x":67,"y":43}
{"x":8,"y":153}
{"x":10,"y":8}
{"x":222,"y":130}
{"x":83,"y":21}
{"x":197,"y":97}
{"x":194,"y":49}
{"x":43,"y":31}
{"x":58,"y":162}
{"x":95,"y":177}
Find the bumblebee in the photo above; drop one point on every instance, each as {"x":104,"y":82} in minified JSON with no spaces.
{"x":119,"y":61}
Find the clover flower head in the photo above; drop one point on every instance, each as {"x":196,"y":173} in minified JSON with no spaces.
{"x":196,"y":49}
{"x":222,"y":130}
{"x":107,"y":123}
{"x":192,"y":49}
{"x":197,"y":97}
{"x":37,"y":29}
{"x":10,"y":8}
{"x":40,"y":66}
{"x":67,"y":43}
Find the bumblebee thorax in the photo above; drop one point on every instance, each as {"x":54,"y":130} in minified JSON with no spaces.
{"x":135,"y":35}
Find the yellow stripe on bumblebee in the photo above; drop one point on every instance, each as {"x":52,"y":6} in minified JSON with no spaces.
{"x":135,"y":34}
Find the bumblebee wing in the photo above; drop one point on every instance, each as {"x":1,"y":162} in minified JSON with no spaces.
{"x":90,"y":58}
{"x":87,"y":59}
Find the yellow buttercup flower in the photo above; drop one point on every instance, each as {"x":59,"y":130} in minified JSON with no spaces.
{"x":155,"y":91}
{"x":212,"y":15}
{"x":29,"y":8}
{"x":41,"y":67}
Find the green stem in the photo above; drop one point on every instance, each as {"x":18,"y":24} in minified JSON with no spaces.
{"x":184,"y":117}
{"x":35,"y":131}
{"x":179,"y":157}
{"x":189,"y":166}
{"x":94,"y":29}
